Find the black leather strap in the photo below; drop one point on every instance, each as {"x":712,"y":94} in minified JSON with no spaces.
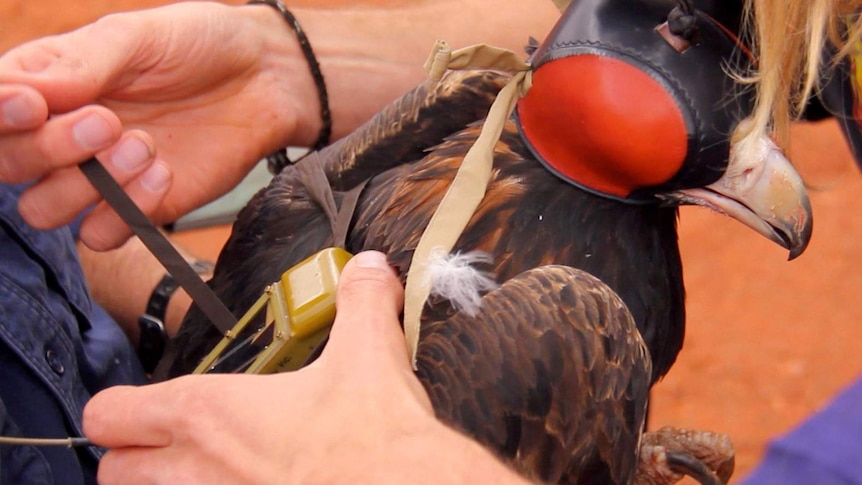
{"x":151,"y":344}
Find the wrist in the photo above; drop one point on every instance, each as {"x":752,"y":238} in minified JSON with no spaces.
{"x":165,"y":310}
{"x":151,"y":326}
{"x":290,"y":86}
{"x":363,"y":68}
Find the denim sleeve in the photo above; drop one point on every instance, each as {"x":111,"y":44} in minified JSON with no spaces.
{"x":57,"y":348}
{"x":21,"y":464}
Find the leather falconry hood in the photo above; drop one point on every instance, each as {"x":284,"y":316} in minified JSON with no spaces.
{"x":633,"y":97}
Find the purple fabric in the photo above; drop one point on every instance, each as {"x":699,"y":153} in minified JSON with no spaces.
{"x":826,"y":449}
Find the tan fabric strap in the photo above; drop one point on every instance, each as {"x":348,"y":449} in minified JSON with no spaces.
{"x":471,"y":181}
{"x":479,"y":56}
{"x":562,"y":4}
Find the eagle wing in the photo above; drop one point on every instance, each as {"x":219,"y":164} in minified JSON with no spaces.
{"x":551,"y":373}
{"x":281,"y":225}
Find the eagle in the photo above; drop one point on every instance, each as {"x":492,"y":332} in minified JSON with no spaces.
{"x":628,"y":117}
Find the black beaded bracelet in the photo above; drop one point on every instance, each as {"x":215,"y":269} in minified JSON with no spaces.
{"x":279,"y":160}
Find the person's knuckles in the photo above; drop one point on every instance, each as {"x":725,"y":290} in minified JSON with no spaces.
{"x":42,"y":212}
{"x":60,"y":142}
{"x":12,"y":171}
{"x":116,"y":466}
{"x":21,"y":62}
{"x":64,"y":140}
{"x":143,"y":466}
{"x":99,"y":416}
{"x":21,"y":108}
{"x":105,"y":229}
{"x":193,"y":404}
{"x":56,"y":199}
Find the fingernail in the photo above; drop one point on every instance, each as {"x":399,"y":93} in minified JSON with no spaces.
{"x":156,"y":178}
{"x":92,"y":132}
{"x":131,"y":154}
{"x":371,"y":259}
{"x":18,"y":112}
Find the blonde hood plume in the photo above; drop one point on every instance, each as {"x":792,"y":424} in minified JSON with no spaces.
{"x":788,"y":37}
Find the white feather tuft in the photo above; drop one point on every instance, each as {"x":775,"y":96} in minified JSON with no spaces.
{"x":454,"y":278}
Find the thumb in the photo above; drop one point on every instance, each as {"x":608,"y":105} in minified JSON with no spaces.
{"x":71,"y":70}
{"x":369,"y":299}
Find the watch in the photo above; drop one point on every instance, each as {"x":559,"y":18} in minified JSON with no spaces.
{"x":151,"y":344}
{"x":153,"y":335}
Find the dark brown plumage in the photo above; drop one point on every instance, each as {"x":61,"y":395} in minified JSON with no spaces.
{"x":573,"y":357}
{"x":525,"y":375}
{"x":551,"y":374}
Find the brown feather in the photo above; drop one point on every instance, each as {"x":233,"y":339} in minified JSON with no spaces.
{"x":551,"y":375}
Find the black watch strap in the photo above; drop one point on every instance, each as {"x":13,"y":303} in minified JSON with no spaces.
{"x":151,"y":344}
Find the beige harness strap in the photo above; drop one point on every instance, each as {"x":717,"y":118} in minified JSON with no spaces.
{"x":470,"y":182}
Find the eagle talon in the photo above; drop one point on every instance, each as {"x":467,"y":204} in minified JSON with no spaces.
{"x":668,"y":454}
{"x":684,"y":463}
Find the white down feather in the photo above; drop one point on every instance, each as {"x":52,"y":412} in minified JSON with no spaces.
{"x":454,"y":278}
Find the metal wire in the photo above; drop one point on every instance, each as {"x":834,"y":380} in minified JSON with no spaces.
{"x":70,"y":442}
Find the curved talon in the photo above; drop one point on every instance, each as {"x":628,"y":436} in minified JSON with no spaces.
{"x":686,"y":464}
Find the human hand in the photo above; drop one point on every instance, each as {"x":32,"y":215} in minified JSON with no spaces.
{"x":356,"y":414}
{"x":178,"y":103}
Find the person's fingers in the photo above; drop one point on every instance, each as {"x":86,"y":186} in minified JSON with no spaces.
{"x":123,"y":466}
{"x":367,"y":334}
{"x":62,"y":141}
{"x":103,"y":228}
{"x":21,"y":108}
{"x":153,"y":415}
{"x":64,"y":192}
{"x":368,"y":301}
{"x":122,"y":416}
{"x":172,"y":465}
{"x":72,"y":69}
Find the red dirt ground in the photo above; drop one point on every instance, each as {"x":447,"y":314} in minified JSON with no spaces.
{"x":769,"y":341}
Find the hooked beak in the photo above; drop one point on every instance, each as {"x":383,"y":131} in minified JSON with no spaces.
{"x":762,"y":191}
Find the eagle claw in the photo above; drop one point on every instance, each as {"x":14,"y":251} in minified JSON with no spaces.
{"x":669,"y":454}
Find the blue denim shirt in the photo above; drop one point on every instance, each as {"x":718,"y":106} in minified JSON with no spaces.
{"x":57,"y":348}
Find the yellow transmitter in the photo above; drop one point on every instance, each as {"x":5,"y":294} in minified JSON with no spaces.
{"x":300,"y":309}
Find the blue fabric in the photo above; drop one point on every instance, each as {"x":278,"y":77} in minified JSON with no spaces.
{"x":826,"y":449}
{"x":57,"y":348}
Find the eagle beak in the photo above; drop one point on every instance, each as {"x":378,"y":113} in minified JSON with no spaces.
{"x":761,"y":190}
